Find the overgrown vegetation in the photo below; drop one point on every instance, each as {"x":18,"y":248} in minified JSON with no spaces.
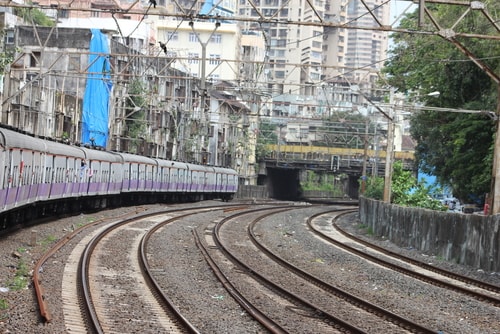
{"x":267,"y":135}
{"x":6,"y":57}
{"x":323,"y":182}
{"x":48,"y":240}
{"x":20,"y":279}
{"x":135,"y":115}
{"x":34,"y":16}
{"x":406,"y":190}
{"x":455,"y":147}
{"x":4,"y":305}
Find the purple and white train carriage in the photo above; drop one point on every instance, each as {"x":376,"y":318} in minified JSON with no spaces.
{"x":50,"y":177}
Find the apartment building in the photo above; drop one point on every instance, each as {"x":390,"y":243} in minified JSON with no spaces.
{"x":366,"y":49}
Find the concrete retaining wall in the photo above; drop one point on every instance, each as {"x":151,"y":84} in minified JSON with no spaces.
{"x":245,"y":191}
{"x":467,"y":239}
{"x":317,"y":194}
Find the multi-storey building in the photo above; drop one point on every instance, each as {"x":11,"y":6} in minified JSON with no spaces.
{"x":366,"y":49}
{"x":206,"y":50}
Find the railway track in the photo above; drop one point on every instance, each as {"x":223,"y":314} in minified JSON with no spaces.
{"x":473,"y":288}
{"x":122,"y":280}
{"x":79,"y":269}
{"x":303,"y":300}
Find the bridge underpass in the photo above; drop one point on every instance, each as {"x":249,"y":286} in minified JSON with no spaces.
{"x":283,"y":182}
{"x":285,"y":163}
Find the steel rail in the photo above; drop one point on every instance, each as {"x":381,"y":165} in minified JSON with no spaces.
{"x":443,"y":272}
{"x":340,"y":293}
{"x":431,"y":280}
{"x":336,"y":322}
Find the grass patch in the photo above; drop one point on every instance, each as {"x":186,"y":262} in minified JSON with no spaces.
{"x":3,"y":305}
{"x":20,"y":280}
{"x":48,"y":240}
{"x":368,"y":229}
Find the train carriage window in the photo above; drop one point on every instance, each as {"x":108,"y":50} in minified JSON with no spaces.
{"x":48,"y":175}
{"x":168,"y":179}
{"x":150,"y":173}
{"x":36,"y":175}
{"x":27,"y":174}
{"x":57,"y":176}
{"x":62,"y":172}
{"x":15,"y":176}
{"x":126,"y":172}
{"x":98,"y":173}
{"x":5,"y":177}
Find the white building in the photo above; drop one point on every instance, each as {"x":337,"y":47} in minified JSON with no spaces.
{"x":203,"y":49}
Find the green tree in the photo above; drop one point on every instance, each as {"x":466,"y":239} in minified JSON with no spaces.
{"x":35,"y":16}
{"x":455,"y":147}
{"x":135,"y":120}
{"x":375,"y":188}
{"x":266,"y":136}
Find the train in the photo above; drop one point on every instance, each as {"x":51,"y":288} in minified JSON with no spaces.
{"x":41,"y":177}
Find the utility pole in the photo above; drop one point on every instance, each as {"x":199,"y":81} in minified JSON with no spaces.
{"x":389,"y":149}
{"x":203,"y":87}
{"x":365,"y":157}
{"x":388,"y":161}
{"x":494,"y":196}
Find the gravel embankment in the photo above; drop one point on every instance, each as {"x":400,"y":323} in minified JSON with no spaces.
{"x":18,"y":308}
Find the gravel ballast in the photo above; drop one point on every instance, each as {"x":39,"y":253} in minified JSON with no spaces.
{"x":20,"y":251}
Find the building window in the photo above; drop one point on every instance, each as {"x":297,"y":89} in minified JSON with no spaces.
{"x":214,"y":59}
{"x":172,"y":36}
{"x":216,"y":38}
{"x":316,"y":55}
{"x":193,"y":58}
{"x":192,"y":37}
{"x":279,"y":74}
{"x":63,"y":13}
{"x":35,"y":59}
{"x":9,"y":37}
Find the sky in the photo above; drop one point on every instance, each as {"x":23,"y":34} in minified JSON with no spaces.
{"x":398,"y":7}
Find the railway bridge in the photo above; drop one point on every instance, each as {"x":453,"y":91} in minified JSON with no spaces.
{"x":283,"y":167}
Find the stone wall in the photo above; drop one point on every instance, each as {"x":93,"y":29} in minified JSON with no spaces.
{"x":468,"y":239}
{"x":248,"y":191}
{"x":317,"y":194}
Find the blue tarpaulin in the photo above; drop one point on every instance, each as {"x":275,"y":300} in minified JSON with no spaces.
{"x":95,"y":112}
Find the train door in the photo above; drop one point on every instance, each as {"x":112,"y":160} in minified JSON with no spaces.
{"x":36,"y":175}
{"x":14,"y":178}
{"x":3,"y":176}
{"x":32,"y":174}
{"x":134,"y":176}
{"x":24,"y":163}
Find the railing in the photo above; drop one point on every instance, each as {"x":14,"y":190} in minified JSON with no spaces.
{"x":335,"y":157}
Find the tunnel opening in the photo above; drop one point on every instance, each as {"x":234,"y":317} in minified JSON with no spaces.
{"x":284,"y":183}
